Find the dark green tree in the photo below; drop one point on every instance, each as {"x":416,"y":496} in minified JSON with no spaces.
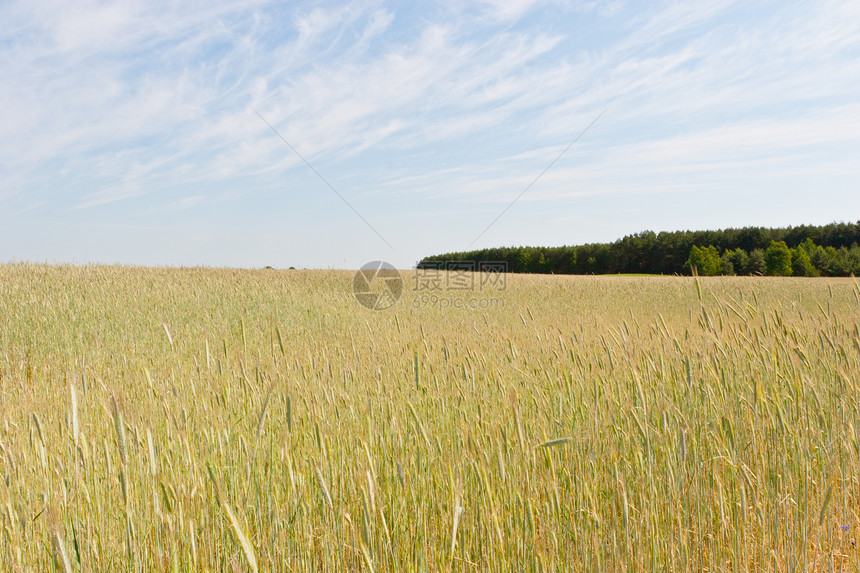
{"x":801,"y":265}
{"x":837,"y":261}
{"x":820,"y":261}
{"x":757,"y":264}
{"x":854,"y":260}
{"x":777,"y":259}
{"x":727,"y":267}
{"x":740,"y":261}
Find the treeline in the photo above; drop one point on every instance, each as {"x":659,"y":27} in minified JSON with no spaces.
{"x":832,"y":251}
{"x":778,"y":260}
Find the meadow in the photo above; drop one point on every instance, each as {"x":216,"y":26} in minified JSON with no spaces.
{"x":214,"y":419}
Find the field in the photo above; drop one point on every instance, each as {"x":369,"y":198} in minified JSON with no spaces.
{"x":202,"y":419}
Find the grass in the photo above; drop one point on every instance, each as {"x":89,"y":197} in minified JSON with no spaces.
{"x":195,"y":419}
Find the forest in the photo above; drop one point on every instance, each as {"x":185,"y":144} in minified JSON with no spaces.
{"x":805,"y":250}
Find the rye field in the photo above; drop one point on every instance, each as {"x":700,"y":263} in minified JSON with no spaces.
{"x":158,"y":419}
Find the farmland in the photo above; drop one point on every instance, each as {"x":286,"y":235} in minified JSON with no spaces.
{"x":215,"y":419}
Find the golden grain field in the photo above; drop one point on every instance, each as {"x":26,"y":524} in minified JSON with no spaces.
{"x":207,"y":419}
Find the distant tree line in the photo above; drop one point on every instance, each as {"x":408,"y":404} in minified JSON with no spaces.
{"x":779,"y":260}
{"x":806,"y":250}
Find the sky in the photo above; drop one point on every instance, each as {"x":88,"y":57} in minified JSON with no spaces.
{"x":330,"y":134}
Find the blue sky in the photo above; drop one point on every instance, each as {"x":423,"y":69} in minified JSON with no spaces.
{"x":129,"y":130}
